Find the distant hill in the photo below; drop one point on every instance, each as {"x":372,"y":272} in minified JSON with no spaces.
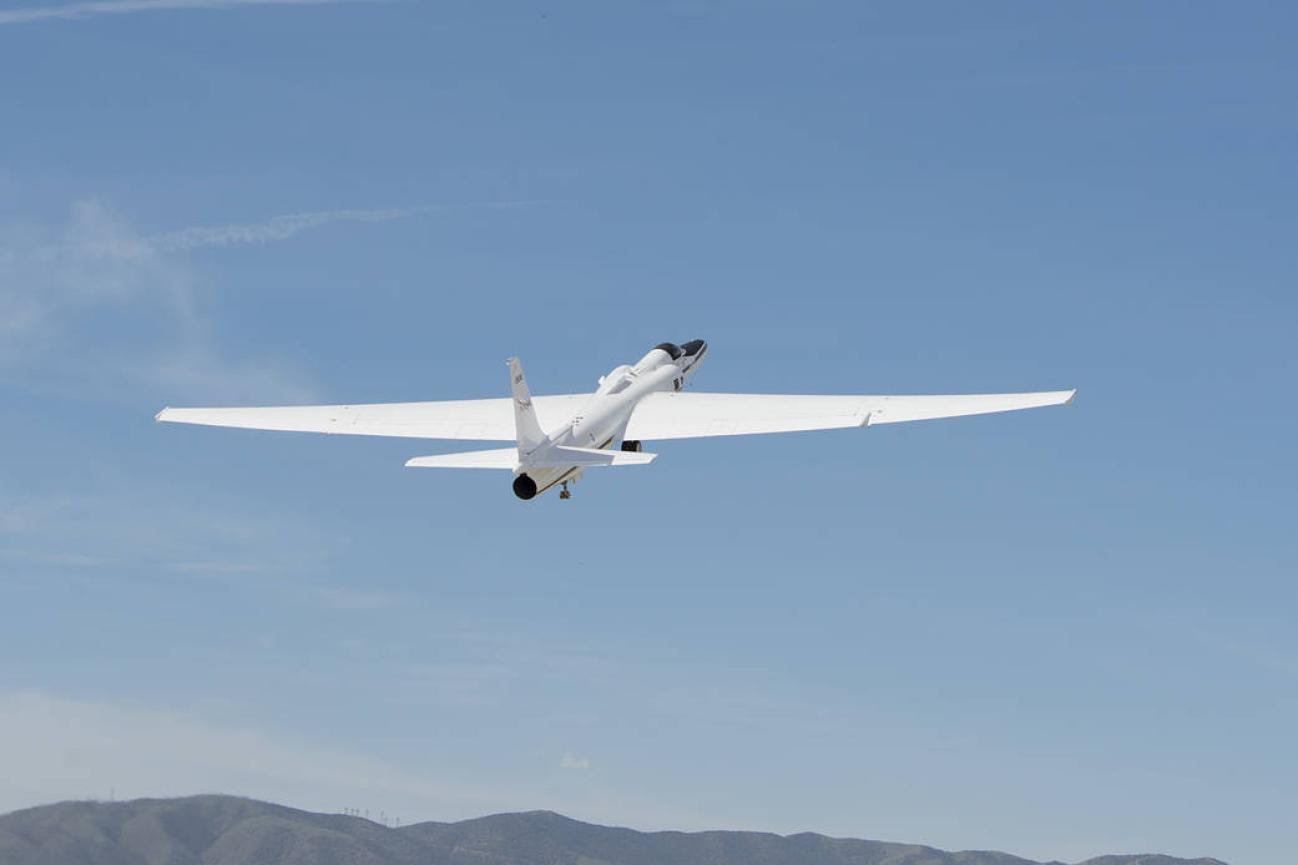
{"x":224,"y":830}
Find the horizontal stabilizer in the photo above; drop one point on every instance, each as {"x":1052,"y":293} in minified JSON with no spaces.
{"x":497,"y":458}
{"x":564,"y":457}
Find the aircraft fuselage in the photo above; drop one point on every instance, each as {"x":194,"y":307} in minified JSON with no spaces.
{"x":603,"y":419}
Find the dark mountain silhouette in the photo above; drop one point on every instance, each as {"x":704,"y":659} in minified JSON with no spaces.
{"x":224,"y":830}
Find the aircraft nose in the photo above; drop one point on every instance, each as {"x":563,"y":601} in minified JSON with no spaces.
{"x":692,"y":353}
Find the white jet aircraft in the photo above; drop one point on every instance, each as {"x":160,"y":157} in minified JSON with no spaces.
{"x":558,"y":437}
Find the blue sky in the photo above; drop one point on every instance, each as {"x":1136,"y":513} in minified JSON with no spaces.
{"x":1058,"y":633}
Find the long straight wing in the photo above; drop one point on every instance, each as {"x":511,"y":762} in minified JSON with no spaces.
{"x":658,"y":416}
{"x":476,"y":419}
{"x":696,"y":415}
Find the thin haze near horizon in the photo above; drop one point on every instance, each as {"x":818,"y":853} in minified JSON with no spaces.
{"x":1057,"y":633}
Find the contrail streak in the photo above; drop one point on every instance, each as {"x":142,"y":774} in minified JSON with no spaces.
{"x":72,"y":11}
{"x":277,"y":228}
{"x":287,"y":225}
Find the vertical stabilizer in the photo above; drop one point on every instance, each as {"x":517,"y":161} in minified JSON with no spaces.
{"x":526,"y":428}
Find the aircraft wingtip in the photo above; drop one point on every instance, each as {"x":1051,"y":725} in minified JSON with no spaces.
{"x":158,"y":417}
{"x":1072,"y":394}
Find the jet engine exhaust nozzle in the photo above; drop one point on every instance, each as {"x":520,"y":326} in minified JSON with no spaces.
{"x":524,"y":487}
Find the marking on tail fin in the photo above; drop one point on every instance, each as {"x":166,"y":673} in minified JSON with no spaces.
{"x":527,"y":430}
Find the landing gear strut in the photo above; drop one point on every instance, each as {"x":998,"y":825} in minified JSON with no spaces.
{"x":564,"y":493}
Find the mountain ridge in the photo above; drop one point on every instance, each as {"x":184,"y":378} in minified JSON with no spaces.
{"x":213,"y":829}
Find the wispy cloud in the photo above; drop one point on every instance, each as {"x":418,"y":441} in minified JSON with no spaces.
{"x":57,"y":283}
{"x":462,"y":683}
{"x":356,"y":599}
{"x":570,"y":761}
{"x":56,"y":748}
{"x":94,"y":259}
{"x":72,"y":560}
{"x":222,"y":568}
{"x":91,"y":305}
{"x":141,"y":530}
{"x":73,"y":11}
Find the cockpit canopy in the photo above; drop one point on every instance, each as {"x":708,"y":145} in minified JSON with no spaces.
{"x":683,"y":356}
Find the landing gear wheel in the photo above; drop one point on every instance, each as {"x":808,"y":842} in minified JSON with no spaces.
{"x":564,"y":493}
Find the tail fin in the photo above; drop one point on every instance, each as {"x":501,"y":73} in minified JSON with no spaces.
{"x":526,"y":428}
